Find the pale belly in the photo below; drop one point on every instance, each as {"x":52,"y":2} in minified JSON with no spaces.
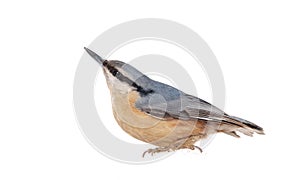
{"x":160,"y":132}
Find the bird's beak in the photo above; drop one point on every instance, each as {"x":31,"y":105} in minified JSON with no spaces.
{"x":95,"y":56}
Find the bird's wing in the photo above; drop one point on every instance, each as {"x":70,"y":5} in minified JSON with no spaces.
{"x":181,"y":106}
{"x":169,"y":103}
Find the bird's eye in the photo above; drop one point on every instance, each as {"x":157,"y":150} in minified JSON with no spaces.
{"x":114,"y":72}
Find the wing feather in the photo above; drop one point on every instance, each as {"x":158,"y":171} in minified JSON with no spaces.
{"x":184,"y":107}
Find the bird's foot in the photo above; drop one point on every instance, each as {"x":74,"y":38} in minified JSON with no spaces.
{"x":157,"y":150}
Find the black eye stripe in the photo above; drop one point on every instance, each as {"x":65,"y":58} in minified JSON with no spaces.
{"x":105,"y":63}
{"x":111,"y":69}
{"x":123,"y":78}
{"x":114,"y":72}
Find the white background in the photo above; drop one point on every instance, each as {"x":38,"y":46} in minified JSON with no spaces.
{"x":257,"y":44}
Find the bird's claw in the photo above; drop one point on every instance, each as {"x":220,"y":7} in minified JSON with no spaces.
{"x":193,"y":147}
{"x":156,"y":150}
{"x":168,"y":149}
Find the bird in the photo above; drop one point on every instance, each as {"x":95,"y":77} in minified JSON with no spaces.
{"x":161,"y":115}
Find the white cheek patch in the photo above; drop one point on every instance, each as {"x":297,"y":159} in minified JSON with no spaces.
{"x":117,"y":85}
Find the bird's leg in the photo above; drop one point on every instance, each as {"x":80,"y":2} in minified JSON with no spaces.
{"x":189,"y":142}
{"x":189,"y":146}
{"x":181,"y":143}
{"x":158,"y":150}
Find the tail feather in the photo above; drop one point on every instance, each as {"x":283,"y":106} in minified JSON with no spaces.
{"x":241,"y":125}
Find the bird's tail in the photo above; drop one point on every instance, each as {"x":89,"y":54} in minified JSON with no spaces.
{"x":231,"y":124}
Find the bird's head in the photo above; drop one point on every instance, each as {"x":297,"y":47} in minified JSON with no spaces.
{"x":121,"y":77}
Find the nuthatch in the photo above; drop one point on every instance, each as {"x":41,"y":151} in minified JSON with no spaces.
{"x":162,"y":115}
